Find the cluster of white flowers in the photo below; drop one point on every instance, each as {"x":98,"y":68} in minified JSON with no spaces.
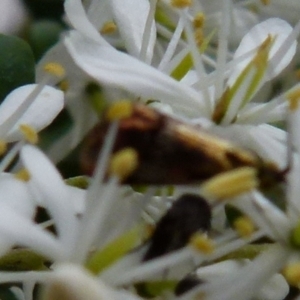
{"x":213,"y":65}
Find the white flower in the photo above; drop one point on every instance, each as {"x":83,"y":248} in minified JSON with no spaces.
{"x":14,"y":16}
{"x":73,"y":282}
{"x":31,"y":106}
{"x":219,"y":101}
{"x":17,"y":210}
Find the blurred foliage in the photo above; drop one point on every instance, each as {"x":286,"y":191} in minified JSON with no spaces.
{"x":17,"y":66}
{"x":42,"y":35}
{"x":45,"y":9}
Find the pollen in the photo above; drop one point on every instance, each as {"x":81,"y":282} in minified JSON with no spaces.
{"x":231,"y":183}
{"x":199,"y":20}
{"x":119,"y":110}
{"x":108,"y":27}
{"x":292,"y":274}
{"x":293,"y":98}
{"x":181,"y":3}
{"x":202,"y":243}
{"x":3,"y":147}
{"x":55,"y":69}
{"x":22,"y":175}
{"x":29,"y":133}
{"x":123,"y":163}
{"x":244,"y":226}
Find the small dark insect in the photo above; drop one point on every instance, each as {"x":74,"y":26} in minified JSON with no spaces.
{"x":173,"y":152}
{"x":189,"y":214}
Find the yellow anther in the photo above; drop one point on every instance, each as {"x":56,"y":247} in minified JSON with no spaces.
{"x":55,"y":69}
{"x":108,"y":27}
{"x":22,"y":175}
{"x":231,"y":183}
{"x":181,"y":3}
{"x":292,"y":274}
{"x":3,"y":147}
{"x":244,"y":226}
{"x":199,"y":36}
{"x":293,"y":97}
{"x":119,"y":110}
{"x":123,"y":163}
{"x":202,"y":243}
{"x":199,"y":20}
{"x":29,"y":133}
{"x":64,"y":85}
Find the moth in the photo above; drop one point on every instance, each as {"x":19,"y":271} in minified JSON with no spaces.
{"x":171,"y":151}
{"x":188,"y":214}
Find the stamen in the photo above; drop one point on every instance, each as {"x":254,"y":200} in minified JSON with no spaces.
{"x":199,"y":20}
{"x":147,"y":33}
{"x":29,"y":133}
{"x":119,"y":110}
{"x":199,"y":36}
{"x":22,"y":175}
{"x":244,"y":226}
{"x":292,"y":274}
{"x":123,"y":163}
{"x":181,"y":3}
{"x":293,"y":98}
{"x":108,"y":27}
{"x":202,"y":243}
{"x":231,"y":183}
{"x":10,"y":156}
{"x":262,"y":55}
{"x":3,"y":147}
{"x":55,"y":69}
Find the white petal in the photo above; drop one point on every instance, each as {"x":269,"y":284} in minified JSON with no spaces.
{"x":118,"y":69}
{"x":15,"y":193}
{"x":77,"y":16}
{"x":131,"y":16}
{"x":73,"y":282}
{"x":275,"y":27}
{"x":55,"y":195}
{"x":13,"y":16}
{"x":40,"y":113}
{"x":21,"y":231}
{"x":276,"y":288}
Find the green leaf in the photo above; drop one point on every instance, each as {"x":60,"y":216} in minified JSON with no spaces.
{"x":17,"y":66}
{"x":43,"y":35}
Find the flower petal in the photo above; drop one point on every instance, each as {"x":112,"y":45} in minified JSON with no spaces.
{"x":16,"y":194}
{"x":56,"y":196}
{"x":77,"y":16}
{"x":277,"y":28}
{"x":115,"y":68}
{"x":131,"y":16}
{"x":40,"y":113}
